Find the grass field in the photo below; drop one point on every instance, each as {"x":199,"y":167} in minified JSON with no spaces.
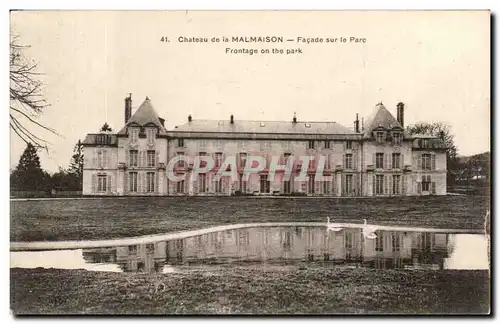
{"x":55,"y":220}
{"x":249,"y":291}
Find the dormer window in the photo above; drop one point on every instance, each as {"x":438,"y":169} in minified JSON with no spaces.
{"x":379,"y":136}
{"x":396,"y":138}
{"x":133,"y":135}
{"x":101,"y":139}
{"x":150,"y":135}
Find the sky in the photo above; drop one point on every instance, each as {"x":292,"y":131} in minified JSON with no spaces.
{"x":437,"y":63}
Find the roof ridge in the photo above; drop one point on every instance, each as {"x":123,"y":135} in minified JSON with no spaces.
{"x":268,"y":121}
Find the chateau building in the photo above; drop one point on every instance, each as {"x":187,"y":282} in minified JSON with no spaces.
{"x":377,"y":159}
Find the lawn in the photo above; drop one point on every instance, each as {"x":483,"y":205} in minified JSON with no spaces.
{"x":103,"y":218}
{"x":250,"y":291}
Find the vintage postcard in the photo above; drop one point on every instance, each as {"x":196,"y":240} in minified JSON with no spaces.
{"x":250,"y":162}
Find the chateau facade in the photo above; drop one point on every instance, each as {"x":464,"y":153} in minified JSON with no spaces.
{"x":377,"y":159}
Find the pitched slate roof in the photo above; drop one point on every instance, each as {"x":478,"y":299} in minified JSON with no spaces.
{"x":381,"y":117}
{"x":98,"y":139}
{"x":144,"y":115}
{"x":263,"y":127}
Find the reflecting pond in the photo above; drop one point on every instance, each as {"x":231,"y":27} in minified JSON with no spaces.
{"x":275,"y":247}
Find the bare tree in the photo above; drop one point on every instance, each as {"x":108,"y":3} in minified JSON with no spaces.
{"x":26,"y":100}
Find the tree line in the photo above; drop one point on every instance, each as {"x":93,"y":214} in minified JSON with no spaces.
{"x":29,"y":175}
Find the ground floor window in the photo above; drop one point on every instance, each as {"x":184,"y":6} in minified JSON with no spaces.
{"x":286,"y":241}
{"x":243,"y":185}
{"x":218,"y":186}
{"x":102,"y":183}
{"x":396,"y":181}
{"x":286,"y":187}
{"x":348,"y":240}
{"x":150,"y":182}
{"x":180,"y":186}
{"x":326,"y":187}
{"x":379,"y":243}
{"x":426,"y":183}
{"x":379,"y":184}
{"x":264,"y":184}
{"x":348,"y":184}
{"x":133,"y":182}
{"x":311,"y":184}
{"x":202,"y":184}
{"x":396,"y":242}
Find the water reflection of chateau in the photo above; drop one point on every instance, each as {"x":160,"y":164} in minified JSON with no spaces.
{"x":390,"y":249}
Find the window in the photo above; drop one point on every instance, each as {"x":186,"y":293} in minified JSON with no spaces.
{"x":379,"y":184}
{"x":132,"y":249}
{"x":348,"y":161}
{"x":150,"y":182}
{"x":396,"y":180}
{"x":150,"y":248}
{"x":310,"y":144}
{"x":379,"y":160}
{"x":133,"y":182}
{"x":202,"y":184}
{"x":133,"y":158}
{"x":102,"y":183}
{"x":181,"y":163}
{"x":348,"y":240}
{"x":380,"y":137}
{"x":134,"y":135}
{"x":151,"y":158}
{"x":396,"y":160}
{"x":287,"y":241}
{"x":326,"y":187}
{"x":218,"y":186}
{"x":348,"y":184}
{"x":286,"y":157}
{"x":100,"y":159}
{"x":151,"y":134}
{"x":327,"y":144}
{"x":396,"y":242}
{"x":426,"y":161}
{"x":243,"y":145}
{"x":243,"y":237}
{"x":396,"y":138}
{"x":243,"y":160}
{"x":179,"y":186}
{"x":348,"y":145}
{"x":425,"y":143}
{"x":426,"y":183}
{"x":218,"y":159}
{"x":180,"y":142}
{"x":379,"y":243}
{"x":102,"y":139}
{"x":311,"y":185}
{"x":264,"y":184}
{"x":286,"y":187}
{"x":243,"y":184}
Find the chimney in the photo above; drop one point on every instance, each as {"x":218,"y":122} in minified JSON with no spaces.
{"x":356,"y":123}
{"x":294,"y":118}
{"x":190,"y":119}
{"x":232,"y":119}
{"x":128,"y":107}
{"x":401,"y":113}
{"x":362,"y":123}
{"x":162,"y":121}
